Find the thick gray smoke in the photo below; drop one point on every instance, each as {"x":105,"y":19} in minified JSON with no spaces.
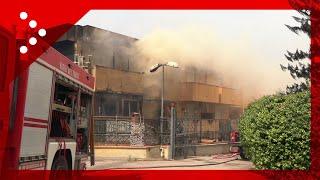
{"x":232,"y":61}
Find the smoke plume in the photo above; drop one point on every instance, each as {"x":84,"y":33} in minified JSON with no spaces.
{"x":233,"y":62}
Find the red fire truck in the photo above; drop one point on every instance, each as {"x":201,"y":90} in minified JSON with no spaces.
{"x":50,"y":114}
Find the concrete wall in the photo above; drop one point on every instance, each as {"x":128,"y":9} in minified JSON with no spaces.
{"x":183,"y":86}
{"x":191,"y":91}
{"x":231,"y":96}
{"x":199,"y":92}
{"x":128,"y":152}
{"x":210,"y":149}
{"x":108,"y":79}
{"x":157,"y":152}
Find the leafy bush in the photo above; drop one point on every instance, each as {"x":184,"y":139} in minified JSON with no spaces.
{"x":275,"y":131}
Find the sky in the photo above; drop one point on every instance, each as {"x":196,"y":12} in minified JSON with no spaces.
{"x":138,"y":23}
{"x":263,"y":31}
{"x":263,"y":28}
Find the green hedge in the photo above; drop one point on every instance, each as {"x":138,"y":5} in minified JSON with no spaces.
{"x":275,"y":131}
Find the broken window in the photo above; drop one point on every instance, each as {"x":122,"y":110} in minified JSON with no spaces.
{"x":108,"y":104}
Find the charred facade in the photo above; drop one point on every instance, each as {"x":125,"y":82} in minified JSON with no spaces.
{"x":122,"y":89}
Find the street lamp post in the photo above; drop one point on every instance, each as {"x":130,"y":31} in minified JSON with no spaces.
{"x":162,"y":108}
{"x":154,"y":68}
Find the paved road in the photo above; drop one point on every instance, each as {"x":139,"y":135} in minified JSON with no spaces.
{"x":221,"y":162}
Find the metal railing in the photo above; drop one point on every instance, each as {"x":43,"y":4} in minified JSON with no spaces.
{"x":112,"y":130}
{"x":118,"y":130}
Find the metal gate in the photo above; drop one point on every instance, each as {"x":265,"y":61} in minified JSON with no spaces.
{"x":190,"y":130}
{"x":187,"y":136}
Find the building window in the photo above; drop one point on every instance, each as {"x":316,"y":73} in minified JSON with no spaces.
{"x":130,"y":106}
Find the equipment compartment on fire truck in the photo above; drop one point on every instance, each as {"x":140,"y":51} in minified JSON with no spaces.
{"x":64,"y":112}
{"x":71,"y":111}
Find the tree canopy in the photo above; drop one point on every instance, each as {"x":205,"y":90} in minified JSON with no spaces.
{"x":299,"y":61}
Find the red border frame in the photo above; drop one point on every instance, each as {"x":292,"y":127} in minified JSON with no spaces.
{"x":61,"y":12}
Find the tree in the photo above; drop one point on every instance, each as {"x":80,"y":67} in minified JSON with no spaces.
{"x":299,"y":61}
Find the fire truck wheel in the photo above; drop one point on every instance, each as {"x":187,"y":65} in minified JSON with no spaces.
{"x":60,"y":163}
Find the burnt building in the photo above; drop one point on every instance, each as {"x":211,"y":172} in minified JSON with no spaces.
{"x":117,"y":92}
{"x":108,"y":57}
{"x":90,"y":46}
{"x":210,"y":109}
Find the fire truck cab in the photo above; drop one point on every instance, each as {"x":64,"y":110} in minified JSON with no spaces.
{"x":57,"y":119}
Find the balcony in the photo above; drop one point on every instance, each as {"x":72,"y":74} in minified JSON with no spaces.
{"x":200,"y":92}
{"x":117,"y":81}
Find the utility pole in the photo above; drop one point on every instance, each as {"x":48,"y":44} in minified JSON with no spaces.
{"x":172,"y":133}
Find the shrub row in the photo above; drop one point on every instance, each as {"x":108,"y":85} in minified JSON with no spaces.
{"x":275,"y":131}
